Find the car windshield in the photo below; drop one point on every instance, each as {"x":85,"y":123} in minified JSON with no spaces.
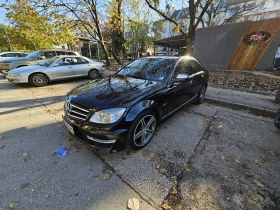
{"x":156,"y":69}
{"x":48,"y":62}
{"x":33,"y":55}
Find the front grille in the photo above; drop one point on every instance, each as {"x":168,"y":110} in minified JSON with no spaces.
{"x":76,"y":111}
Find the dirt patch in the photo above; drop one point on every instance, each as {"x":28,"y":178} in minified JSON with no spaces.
{"x":244,"y":80}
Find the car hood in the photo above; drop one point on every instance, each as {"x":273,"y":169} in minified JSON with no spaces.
{"x":113,"y":91}
{"x":10,"y":60}
{"x":27,"y":69}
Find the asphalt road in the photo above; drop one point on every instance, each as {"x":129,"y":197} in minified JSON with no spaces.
{"x":203,"y":157}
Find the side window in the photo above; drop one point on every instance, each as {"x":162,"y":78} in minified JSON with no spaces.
{"x":79,"y":60}
{"x":193,"y":68}
{"x":3,"y":55}
{"x":181,"y":68}
{"x":60,"y":53}
{"x":48,"y":54}
{"x":65,"y":61}
{"x":13,"y":54}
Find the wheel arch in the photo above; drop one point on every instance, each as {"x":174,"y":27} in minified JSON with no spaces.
{"x":22,"y":66}
{"x":39,"y":73}
{"x":141,"y":107}
{"x":93,"y":69}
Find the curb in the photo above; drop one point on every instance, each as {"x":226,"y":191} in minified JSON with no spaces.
{"x":237,"y":106}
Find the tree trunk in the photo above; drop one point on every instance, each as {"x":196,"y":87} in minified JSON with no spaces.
{"x":114,"y":52}
{"x":277,"y":98}
{"x":189,"y":41}
{"x":106,"y":54}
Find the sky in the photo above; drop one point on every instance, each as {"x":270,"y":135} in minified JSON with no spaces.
{"x":2,"y":12}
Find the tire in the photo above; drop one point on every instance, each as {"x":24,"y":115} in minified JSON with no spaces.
{"x":277,"y":119}
{"x":93,"y":74}
{"x":201,"y":95}
{"x":38,"y":80}
{"x":141,"y":141}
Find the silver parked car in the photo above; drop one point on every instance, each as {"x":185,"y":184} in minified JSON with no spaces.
{"x":31,"y":59}
{"x":56,"y":68}
{"x":9,"y":54}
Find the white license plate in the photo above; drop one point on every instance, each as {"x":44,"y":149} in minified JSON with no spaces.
{"x":69,"y":127}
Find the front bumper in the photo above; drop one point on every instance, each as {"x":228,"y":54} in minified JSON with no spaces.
{"x":100,"y":139}
{"x":20,"y":79}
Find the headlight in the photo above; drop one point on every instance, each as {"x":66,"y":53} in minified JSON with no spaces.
{"x":14,"y":75}
{"x":107,"y":116}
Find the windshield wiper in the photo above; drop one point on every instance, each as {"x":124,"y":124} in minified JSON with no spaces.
{"x":135,"y":76}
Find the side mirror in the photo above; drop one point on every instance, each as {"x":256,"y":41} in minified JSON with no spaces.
{"x":55,"y":65}
{"x":42,"y":57}
{"x":181,"y":78}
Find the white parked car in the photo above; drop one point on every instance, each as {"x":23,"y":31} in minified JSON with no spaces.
{"x":8,"y":54}
{"x":56,"y":68}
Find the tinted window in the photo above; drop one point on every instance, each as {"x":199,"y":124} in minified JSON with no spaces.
{"x":65,"y":61}
{"x":48,"y":54}
{"x":193,"y":67}
{"x":181,"y":68}
{"x":157,"y":69}
{"x":3,"y":55}
{"x":61,"y":53}
{"x":80,"y":60}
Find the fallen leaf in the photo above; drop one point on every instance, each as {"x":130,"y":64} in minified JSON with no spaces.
{"x":106,"y":176}
{"x":2,"y":147}
{"x":25,"y":154}
{"x":33,"y":189}
{"x":174,"y":190}
{"x":220,"y":126}
{"x":54,"y":154}
{"x":28,"y":108}
{"x":186,"y":167}
{"x":14,"y":205}
{"x":258,"y":161}
{"x":133,"y":204}
{"x":163,"y":170}
{"x":223,"y":157}
{"x":25,"y":185}
{"x":2,"y":137}
{"x":97,"y":192}
{"x":236,"y":160}
{"x":165,"y":205}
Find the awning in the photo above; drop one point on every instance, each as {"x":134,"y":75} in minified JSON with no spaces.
{"x":174,"y":42}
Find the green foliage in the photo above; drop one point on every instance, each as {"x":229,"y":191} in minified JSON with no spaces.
{"x":44,"y":29}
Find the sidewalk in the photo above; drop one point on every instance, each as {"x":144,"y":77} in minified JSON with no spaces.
{"x":254,"y":103}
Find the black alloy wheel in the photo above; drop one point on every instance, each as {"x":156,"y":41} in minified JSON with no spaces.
{"x":277,"y":119}
{"x":201,"y":95}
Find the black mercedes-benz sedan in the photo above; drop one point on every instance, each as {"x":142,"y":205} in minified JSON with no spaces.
{"x":126,"y":107}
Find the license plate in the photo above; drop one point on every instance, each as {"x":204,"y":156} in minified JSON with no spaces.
{"x":69,"y":127}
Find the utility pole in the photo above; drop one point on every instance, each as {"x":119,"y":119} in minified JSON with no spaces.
{"x":10,"y":46}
